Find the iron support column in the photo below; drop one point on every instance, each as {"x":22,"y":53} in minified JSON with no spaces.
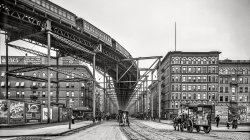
{"x":138,"y":72}
{"x":104,"y":91}
{"x":48,"y":74}
{"x":146,"y":95}
{"x":7,"y":67}
{"x":94,"y":88}
{"x":159,"y":88}
{"x":152,"y":97}
{"x":57,"y":78}
{"x":143,"y":98}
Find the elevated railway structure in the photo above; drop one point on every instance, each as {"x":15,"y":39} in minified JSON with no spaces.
{"x":50,"y":26}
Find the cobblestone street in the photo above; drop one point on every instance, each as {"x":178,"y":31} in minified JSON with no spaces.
{"x":140,"y":130}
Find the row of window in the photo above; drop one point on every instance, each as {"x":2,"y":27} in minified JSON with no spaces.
{"x":178,"y":87}
{"x":234,"y":71}
{"x":97,"y":32}
{"x":241,"y":80}
{"x":242,"y":98}
{"x":44,"y":75}
{"x":233,"y":89}
{"x":54,"y":9}
{"x":194,"y":60}
{"x":21,"y":94}
{"x":194,"y":78}
{"x":192,"y":69}
{"x":176,"y":104}
{"x":38,"y":84}
{"x":189,"y":96}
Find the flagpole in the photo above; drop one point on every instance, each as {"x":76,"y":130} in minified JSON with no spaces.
{"x":175,"y":37}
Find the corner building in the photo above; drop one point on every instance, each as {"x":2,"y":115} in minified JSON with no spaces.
{"x":188,"y":77}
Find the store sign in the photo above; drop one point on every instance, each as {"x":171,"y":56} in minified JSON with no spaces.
{"x":3,"y":112}
{"x":13,"y":60}
{"x":70,"y":61}
{"x":33,"y":113}
{"x":32,"y":60}
{"x":16,"y":112}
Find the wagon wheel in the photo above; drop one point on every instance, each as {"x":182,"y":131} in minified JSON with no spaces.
{"x":206,"y":129}
{"x":174,"y":126}
{"x":181,"y":127}
{"x":190,"y":126}
{"x":198,"y":129}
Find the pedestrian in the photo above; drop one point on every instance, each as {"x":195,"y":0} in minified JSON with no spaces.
{"x":235,"y":123}
{"x":217,"y":119}
{"x":73,"y":119}
{"x":228,"y":125}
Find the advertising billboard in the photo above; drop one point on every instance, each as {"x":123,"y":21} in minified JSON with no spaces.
{"x":69,"y":61}
{"x":32,"y":60}
{"x":3,"y":112}
{"x":222,"y":111}
{"x":55,"y":114}
{"x":33,"y":113}
{"x":45,"y":114}
{"x":16,"y":112}
{"x":13,"y":59}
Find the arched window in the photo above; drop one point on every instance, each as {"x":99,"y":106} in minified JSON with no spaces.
{"x":199,"y":61}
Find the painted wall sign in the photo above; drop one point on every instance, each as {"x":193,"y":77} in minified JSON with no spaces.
{"x":16,"y":112}
{"x":13,"y":60}
{"x":222,"y":111}
{"x":3,"y":112}
{"x":33,"y":113}
{"x":45,"y":114}
{"x":34,"y":60}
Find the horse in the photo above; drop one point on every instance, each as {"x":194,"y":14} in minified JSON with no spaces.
{"x":124,"y":118}
{"x":177,"y":122}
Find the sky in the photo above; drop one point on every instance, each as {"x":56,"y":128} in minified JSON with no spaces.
{"x":147,"y":27}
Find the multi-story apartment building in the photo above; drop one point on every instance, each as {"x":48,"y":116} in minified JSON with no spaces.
{"x":234,"y":87}
{"x":188,"y":77}
{"x":79,"y":93}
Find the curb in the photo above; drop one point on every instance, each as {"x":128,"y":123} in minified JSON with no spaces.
{"x":247,"y":131}
{"x":68,"y":132}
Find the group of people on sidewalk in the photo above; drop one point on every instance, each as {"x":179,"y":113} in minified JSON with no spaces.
{"x":234,"y":122}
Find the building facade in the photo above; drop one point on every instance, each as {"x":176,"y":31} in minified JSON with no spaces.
{"x":71,"y":93}
{"x":201,"y":78}
{"x":188,"y":77}
{"x":234,"y":86}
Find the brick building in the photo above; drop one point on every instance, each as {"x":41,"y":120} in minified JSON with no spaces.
{"x":188,"y":77}
{"x":69,"y":89}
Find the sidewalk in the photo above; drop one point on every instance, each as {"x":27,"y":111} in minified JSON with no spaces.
{"x":221,"y":128}
{"x":54,"y":130}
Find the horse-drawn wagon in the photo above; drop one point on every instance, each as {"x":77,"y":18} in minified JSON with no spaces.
{"x":123,"y":118}
{"x":194,"y":117}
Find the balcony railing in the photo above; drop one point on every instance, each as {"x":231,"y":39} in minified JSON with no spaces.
{"x":33,"y":97}
{"x":233,"y":83}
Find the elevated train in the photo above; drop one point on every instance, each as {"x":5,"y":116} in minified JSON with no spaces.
{"x":78,"y":23}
